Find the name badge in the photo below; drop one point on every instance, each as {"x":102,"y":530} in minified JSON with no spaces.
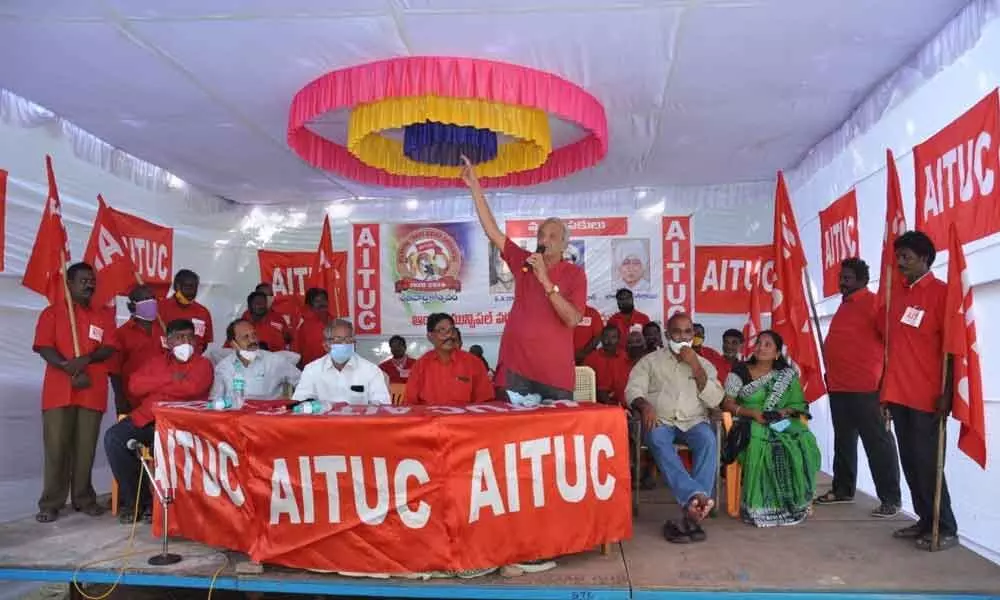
{"x":199,"y":327}
{"x":585,"y":322}
{"x":404,"y":373}
{"x":96,"y":333}
{"x":912,"y":316}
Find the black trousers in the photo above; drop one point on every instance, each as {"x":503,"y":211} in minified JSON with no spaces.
{"x":125,"y":463}
{"x":523,"y":385}
{"x":858,"y":414}
{"x":917,"y":434}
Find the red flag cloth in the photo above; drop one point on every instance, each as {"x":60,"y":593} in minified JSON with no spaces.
{"x":50,"y":252}
{"x":329,"y":272}
{"x":108,"y":254}
{"x":790,"y":308}
{"x":895,"y":226}
{"x":3,"y":216}
{"x":960,"y":342}
{"x":752,"y":327}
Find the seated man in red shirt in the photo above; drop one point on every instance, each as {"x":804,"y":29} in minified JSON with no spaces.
{"x":399,"y":365}
{"x":139,"y":339}
{"x":627,"y":316}
{"x":308,"y":342}
{"x":447,"y":375}
{"x":182,"y":305}
{"x":718,"y":361}
{"x":587,"y":333}
{"x":270,"y":326}
{"x":178,"y":375}
{"x":611,"y":367}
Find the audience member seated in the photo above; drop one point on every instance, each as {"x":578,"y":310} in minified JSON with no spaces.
{"x":587,"y":333}
{"x":180,"y":375}
{"x":627,"y":316}
{"x":288,"y":307}
{"x":673,"y":390}
{"x":653,"y":336}
{"x":710,"y":354}
{"x":781,"y":459}
{"x":732,"y":345}
{"x":447,"y":375}
{"x":341,"y":376}
{"x":308,"y":340}
{"x":272,"y":332}
{"x":635,"y":347}
{"x":611,"y":367}
{"x":251,"y":373}
{"x":399,"y":365}
{"x":182,"y":305}
{"x":477,"y":350}
{"x":139,"y":339}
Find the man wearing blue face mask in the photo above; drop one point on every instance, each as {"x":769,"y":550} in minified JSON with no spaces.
{"x":342,"y":376}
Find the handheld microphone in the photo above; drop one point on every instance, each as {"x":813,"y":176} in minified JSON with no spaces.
{"x":540,"y":250}
{"x":134,"y":444}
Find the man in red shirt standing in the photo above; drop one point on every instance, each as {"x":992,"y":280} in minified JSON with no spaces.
{"x":721,"y":365}
{"x":74,"y":394}
{"x":912,"y":385}
{"x":182,"y":305}
{"x":587,"y":333}
{"x":309,"y":339}
{"x":854,"y":357}
{"x":627,"y":316}
{"x":536,"y":349}
{"x":139,"y":339}
{"x":398,"y":366}
{"x":447,"y":375}
{"x":270,"y":327}
{"x":178,"y":375}
{"x":611,"y":367}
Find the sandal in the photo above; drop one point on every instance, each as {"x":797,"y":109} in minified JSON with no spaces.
{"x":694,"y":531}
{"x":945,"y":542}
{"x":832,"y":498}
{"x":674,"y":534}
{"x":46,"y":516}
{"x":910,"y":532}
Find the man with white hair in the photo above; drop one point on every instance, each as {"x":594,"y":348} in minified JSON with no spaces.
{"x":341,"y":375}
{"x":536,"y":350}
{"x":632,"y":263}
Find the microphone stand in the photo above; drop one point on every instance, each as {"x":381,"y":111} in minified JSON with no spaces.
{"x":164,"y":557}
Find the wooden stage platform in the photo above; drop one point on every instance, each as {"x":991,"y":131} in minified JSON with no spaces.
{"x":839,"y":552}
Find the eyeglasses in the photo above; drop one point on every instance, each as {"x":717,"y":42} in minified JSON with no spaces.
{"x":340,"y":340}
{"x":444,"y":331}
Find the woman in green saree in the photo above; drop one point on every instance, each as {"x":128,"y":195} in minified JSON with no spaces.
{"x":781,"y":460}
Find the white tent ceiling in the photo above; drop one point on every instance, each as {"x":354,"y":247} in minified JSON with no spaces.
{"x":696,"y":91}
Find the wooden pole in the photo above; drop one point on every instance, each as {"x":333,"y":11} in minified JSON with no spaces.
{"x":336,"y":295}
{"x":885,"y":339}
{"x":812,"y":306}
{"x":69,"y":304}
{"x":939,"y":468}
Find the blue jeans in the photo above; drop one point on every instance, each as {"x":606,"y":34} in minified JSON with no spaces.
{"x":700,"y":439}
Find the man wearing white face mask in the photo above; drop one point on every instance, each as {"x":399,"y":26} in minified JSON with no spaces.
{"x":342,"y":376}
{"x":673,"y":389}
{"x":251,"y":372}
{"x":178,"y":375}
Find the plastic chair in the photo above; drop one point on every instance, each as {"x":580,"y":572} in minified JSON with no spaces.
{"x":585,"y":389}
{"x":397,"y":392}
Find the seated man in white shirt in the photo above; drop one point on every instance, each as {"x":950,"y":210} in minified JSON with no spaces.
{"x":264,"y":374}
{"x":342,"y":376}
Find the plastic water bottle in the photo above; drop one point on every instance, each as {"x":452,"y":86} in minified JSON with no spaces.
{"x":224,"y":403}
{"x":239,"y":392}
{"x":308,"y":407}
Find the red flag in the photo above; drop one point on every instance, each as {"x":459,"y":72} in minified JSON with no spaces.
{"x":960,"y":342}
{"x":752,"y":327}
{"x":50,"y":253}
{"x":329,"y":272}
{"x":3,"y":216}
{"x":790,"y":307}
{"x":895,"y":226}
{"x":116,"y":273}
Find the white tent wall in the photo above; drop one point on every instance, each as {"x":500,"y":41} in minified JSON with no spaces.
{"x":969,"y":53}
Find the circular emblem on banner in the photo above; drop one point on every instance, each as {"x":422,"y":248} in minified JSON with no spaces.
{"x":428,"y":259}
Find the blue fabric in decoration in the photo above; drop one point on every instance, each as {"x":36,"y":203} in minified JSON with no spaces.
{"x":444,"y":144}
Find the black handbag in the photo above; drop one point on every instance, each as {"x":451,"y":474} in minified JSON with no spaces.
{"x":736,"y":440}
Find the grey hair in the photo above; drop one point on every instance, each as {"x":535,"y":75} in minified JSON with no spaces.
{"x":328,"y":330}
{"x":557,"y":221}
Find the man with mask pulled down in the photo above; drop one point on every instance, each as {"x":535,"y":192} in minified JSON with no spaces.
{"x":179,"y":375}
{"x":674,"y":390}
{"x":341,"y":376}
{"x":250,"y":372}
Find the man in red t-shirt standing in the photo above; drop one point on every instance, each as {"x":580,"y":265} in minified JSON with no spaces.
{"x":912,"y":386}
{"x":309,"y":337}
{"x":182,"y":305}
{"x":270,"y":327}
{"x":627,"y":316}
{"x":536,"y":350}
{"x":398,"y":366}
{"x":854,"y":356}
{"x":139,"y":339}
{"x":74,"y":394}
{"x":587,"y":333}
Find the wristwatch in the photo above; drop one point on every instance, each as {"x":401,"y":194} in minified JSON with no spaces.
{"x":554,"y":290}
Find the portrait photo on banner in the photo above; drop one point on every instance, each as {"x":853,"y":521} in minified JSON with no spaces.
{"x":630,"y":269}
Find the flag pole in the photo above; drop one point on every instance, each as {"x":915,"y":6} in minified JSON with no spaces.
{"x":159,"y":319}
{"x":69,"y":303}
{"x":939,"y":469}
{"x":812,"y":306}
